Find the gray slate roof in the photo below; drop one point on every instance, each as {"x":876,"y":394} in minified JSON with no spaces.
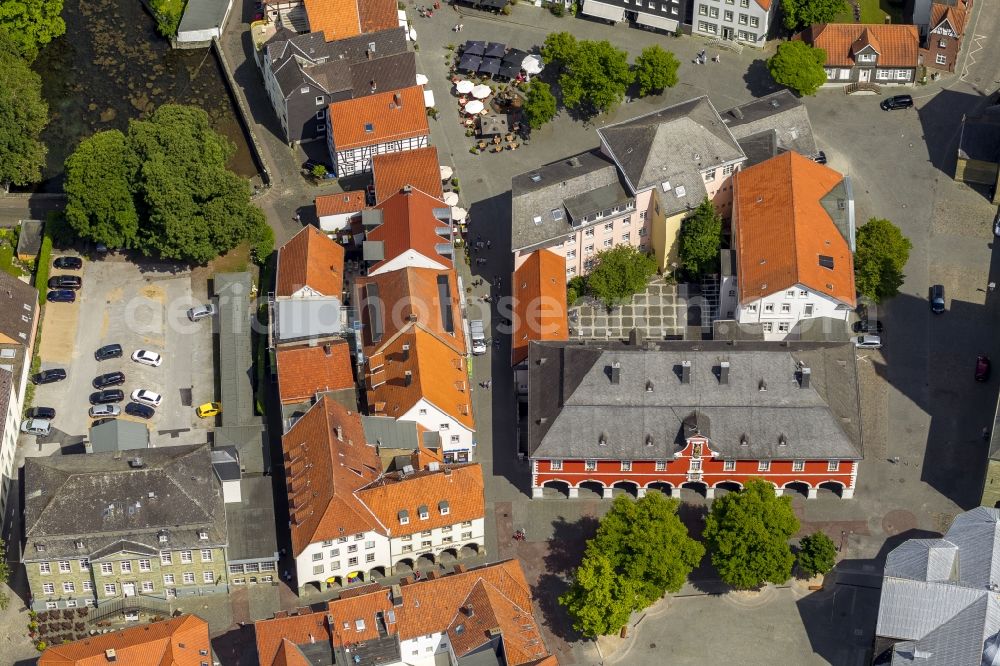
{"x":118,"y":435}
{"x":17,"y":302}
{"x":203,"y":15}
{"x":102,"y":500}
{"x":779,"y":119}
{"x":939,"y":596}
{"x":559,"y":186}
{"x":251,"y":522}
{"x":389,"y":433}
{"x":572,"y":401}
{"x":672,"y":145}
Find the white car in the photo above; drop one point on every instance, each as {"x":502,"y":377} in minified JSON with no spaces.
{"x":147,"y":357}
{"x":868,"y":342}
{"x":146,"y":397}
{"x":36,"y":427}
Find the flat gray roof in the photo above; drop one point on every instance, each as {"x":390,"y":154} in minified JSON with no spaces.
{"x":119,"y":435}
{"x":204,"y":15}
{"x":302,"y":318}
{"x":251,"y":523}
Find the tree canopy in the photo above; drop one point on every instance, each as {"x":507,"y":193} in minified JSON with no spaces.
{"x":700,"y":239}
{"x":162,"y":188}
{"x":23,"y":116}
{"x":619,"y":273}
{"x":595,"y":77}
{"x":748,"y":532}
{"x":31,"y":24}
{"x":655,"y":69}
{"x":798,"y":66}
{"x":817,"y":554}
{"x":804,"y":13}
{"x":641,"y":551}
{"x":881,"y":254}
{"x":559,"y":48}
{"x":540,"y":105}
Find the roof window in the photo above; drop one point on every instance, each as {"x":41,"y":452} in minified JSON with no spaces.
{"x":826,"y":261}
{"x":369,"y":127}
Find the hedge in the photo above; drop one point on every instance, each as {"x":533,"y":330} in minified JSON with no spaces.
{"x":42,"y":266}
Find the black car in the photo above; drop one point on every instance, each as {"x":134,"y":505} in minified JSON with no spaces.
{"x":868,"y":326}
{"x":62,"y":296}
{"x":896,"y":102}
{"x":105,"y":397}
{"x":49,"y":376}
{"x":65,"y":282}
{"x":41,"y":413}
{"x":69,"y":263}
{"x":109,"y":379}
{"x":98,"y":422}
{"x":108,"y":351}
{"x":142,"y":411}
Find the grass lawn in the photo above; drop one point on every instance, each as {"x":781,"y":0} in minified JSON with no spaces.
{"x":873,"y":11}
{"x":7,"y":261}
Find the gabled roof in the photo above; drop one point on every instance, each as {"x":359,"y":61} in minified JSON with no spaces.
{"x":764,"y":4}
{"x":418,"y":168}
{"x":336,"y":19}
{"x":671,"y":145}
{"x":409,"y":225}
{"x":388,"y":116}
{"x":954,"y":16}
{"x":377,"y":15}
{"x":898,"y":45}
{"x":866,"y":39}
{"x":179,"y":641}
{"x":310,"y":259}
{"x":397,"y":301}
{"x":539,"y":287}
{"x":327,"y":460}
{"x":778,"y":121}
{"x":305,"y":370}
{"x":792,"y":225}
{"x":457,"y":490}
{"x":427,"y":370}
{"x":344,"y":203}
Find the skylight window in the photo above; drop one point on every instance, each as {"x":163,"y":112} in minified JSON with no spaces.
{"x":826,"y":261}
{"x":369,"y":127}
{"x":557,"y":214}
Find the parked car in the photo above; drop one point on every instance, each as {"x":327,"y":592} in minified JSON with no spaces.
{"x":937,"y":299}
{"x":896,"y":102}
{"x":46,"y":413}
{"x":108,"y":351}
{"x":100,"y":411}
{"x":201,"y":312}
{"x":208,"y":410}
{"x":61,"y":296}
{"x":98,"y":422}
{"x":37,"y":427}
{"x":68,"y":263}
{"x":109,"y":379}
{"x":147,"y":397}
{"x":147,"y":357}
{"x":142,"y":411}
{"x":106,"y":396}
{"x":868,"y":342}
{"x":49,"y":376}
{"x":65,"y":282}
{"x":867,"y":326}
{"x":982,"y":368}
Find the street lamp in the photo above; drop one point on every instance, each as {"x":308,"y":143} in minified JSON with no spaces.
{"x":673,"y":270}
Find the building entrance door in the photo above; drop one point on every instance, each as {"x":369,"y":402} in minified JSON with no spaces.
{"x":129,"y":589}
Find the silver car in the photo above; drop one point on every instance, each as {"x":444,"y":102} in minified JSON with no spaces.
{"x":99,"y":411}
{"x":39,"y":427}
{"x":868,"y":342}
{"x":201,"y":312}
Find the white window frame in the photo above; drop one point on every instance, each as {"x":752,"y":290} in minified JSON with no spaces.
{"x":68,"y":587}
{"x":798,"y":465}
{"x":555,"y":465}
{"x":110,"y":589}
{"x":626,"y":465}
{"x":48,"y":588}
{"x":763,"y":465}
{"x":45,"y":568}
{"x":590,"y":466}
{"x":941,"y":59}
{"x":833,"y":466}
{"x":728,"y":465}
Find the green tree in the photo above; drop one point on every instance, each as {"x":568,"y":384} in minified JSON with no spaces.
{"x":319,"y":172}
{"x":817,"y":554}
{"x":881,"y":254}
{"x":748,"y":532}
{"x":23,"y":116}
{"x":804,"y":13}
{"x":540,"y":105}
{"x":559,"y":48}
{"x":655,"y":69}
{"x":798,"y":66}
{"x":31,"y":24}
{"x":619,"y":273}
{"x":700,"y":239}
{"x":169,"y":171}
{"x":596,"y":77}
{"x":574,"y":289}
{"x":599,"y":601}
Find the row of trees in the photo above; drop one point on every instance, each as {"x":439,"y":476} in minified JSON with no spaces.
{"x":23,"y":111}
{"x":642,"y":551}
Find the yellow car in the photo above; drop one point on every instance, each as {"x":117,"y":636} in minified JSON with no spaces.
{"x":208,"y":410}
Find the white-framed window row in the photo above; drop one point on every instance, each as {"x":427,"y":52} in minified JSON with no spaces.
{"x":754,"y":21}
{"x":728,"y":465}
{"x":763,"y":465}
{"x":555,"y":465}
{"x":798,"y":465}
{"x":833,"y":466}
{"x":941,"y":59}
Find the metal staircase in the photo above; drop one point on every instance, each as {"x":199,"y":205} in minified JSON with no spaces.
{"x":141,"y":603}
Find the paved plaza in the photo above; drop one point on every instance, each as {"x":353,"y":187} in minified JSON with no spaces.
{"x":657,"y":314}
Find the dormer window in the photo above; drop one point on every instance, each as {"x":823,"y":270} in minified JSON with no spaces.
{"x":40,"y":547}
{"x":443,"y":507}
{"x":422,"y":512}
{"x":203,"y":535}
{"x":404,"y":517}
{"x":369,"y":127}
{"x":163,"y":536}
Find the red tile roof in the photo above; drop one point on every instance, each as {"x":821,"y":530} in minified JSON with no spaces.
{"x":460,"y":487}
{"x":897,"y":45}
{"x":956,"y":16}
{"x":409,"y":225}
{"x":326,"y":460}
{"x":310,"y":259}
{"x":392,"y":116}
{"x":175,"y":642}
{"x":336,"y":19}
{"x":780,"y":229}
{"x":305,"y":370}
{"x":539,"y":302}
{"x":377,"y":15}
{"x":340,"y":204}
{"x":418,"y":168}
{"x":277,"y":638}
{"x":764,"y":4}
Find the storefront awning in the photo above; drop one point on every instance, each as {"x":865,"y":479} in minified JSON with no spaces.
{"x":601,"y":10}
{"x":661,"y":22}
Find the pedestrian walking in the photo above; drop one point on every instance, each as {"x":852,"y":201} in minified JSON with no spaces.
{"x":718,"y":57}
{"x":489,"y":244}
{"x":991,"y":286}
{"x":298,"y":218}
{"x":461,"y":27}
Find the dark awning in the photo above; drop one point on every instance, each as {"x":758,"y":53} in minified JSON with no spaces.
{"x":469,"y":63}
{"x":495,"y":50}
{"x":509,"y":70}
{"x":474,"y":48}
{"x":496,"y":4}
{"x":515,"y":56}
{"x":489,"y":66}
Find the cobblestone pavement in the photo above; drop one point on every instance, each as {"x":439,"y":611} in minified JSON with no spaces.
{"x":657,"y":313}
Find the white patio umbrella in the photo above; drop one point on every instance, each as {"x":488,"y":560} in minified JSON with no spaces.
{"x":464,"y":86}
{"x":451,"y":198}
{"x":422,"y":80}
{"x":458,"y":214}
{"x":481,"y":91}
{"x":474,"y":107}
{"x":446,"y":172}
{"x":413,"y":35}
{"x":532,"y":64}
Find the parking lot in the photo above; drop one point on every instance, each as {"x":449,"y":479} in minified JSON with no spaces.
{"x":139,"y":306}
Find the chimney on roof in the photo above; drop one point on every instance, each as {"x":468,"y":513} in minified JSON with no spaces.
{"x":339,"y":430}
{"x":805,"y":374}
{"x":724,"y":373}
{"x":635,"y":338}
{"x":459,"y":568}
{"x":136,"y":463}
{"x":407,"y":378}
{"x":328,"y":349}
{"x":616,"y":373}
{"x":110,"y":655}
{"x":397,"y":595}
{"x":685,"y":372}
{"x":469,"y":610}
{"x":397,"y":100}
{"x":762,"y":386}
{"x":374,"y":86}
{"x":494,"y":632}
{"x":406,"y":352}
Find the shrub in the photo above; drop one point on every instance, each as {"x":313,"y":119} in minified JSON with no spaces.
{"x":454,"y":181}
{"x":41,"y":645}
{"x":42,"y":267}
{"x":557,"y":8}
{"x":817,"y":554}
{"x":574,"y":289}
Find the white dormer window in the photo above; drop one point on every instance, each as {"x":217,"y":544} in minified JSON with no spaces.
{"x":404,"y":517}
{"x":422,"y":512}
{"x":203,"y":535}
{"x":443,"y":507}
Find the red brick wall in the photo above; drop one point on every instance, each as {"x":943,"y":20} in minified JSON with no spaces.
{"x":950,"y":51}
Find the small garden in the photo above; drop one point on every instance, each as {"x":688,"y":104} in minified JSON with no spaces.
{"x":871,"y":11}
{"x":9,"y":262}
